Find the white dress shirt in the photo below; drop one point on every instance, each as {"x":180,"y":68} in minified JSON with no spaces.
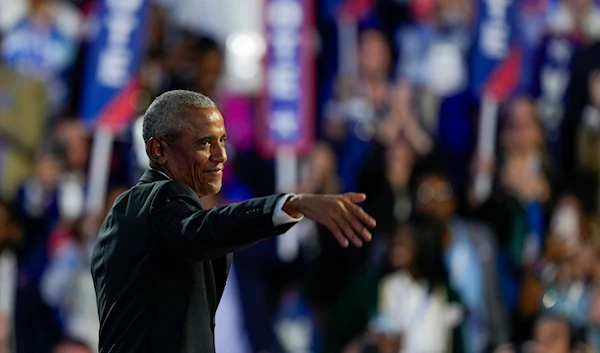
{"x":279,"y":216}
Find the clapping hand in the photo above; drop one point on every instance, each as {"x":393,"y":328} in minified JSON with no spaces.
{"x":346,"y":221}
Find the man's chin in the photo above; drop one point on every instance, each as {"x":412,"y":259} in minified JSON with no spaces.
{"x":214,"y":187}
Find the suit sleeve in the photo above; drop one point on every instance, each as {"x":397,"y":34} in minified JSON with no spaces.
{"x":195,"y":234}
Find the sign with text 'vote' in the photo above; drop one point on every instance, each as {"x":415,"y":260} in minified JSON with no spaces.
{"x":114,"y":55}
{"x":286,"y":116}
{"x":496,"y":58}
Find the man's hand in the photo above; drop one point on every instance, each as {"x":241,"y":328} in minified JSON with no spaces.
{"x":346,"y":221}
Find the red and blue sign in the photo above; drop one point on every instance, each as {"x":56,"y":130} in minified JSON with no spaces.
{"x":287,"y":117}
{"x":497,"y":55}
{"x":110,"y":90}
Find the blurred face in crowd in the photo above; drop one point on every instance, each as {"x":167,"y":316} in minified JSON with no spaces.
{"x":435,"y":197}
{"x":74,"y":136}
{"x":552,"y":335}
{"x":374,"y":56}
{"x":522,"y":133}
{"x":403,"y":248}
{"x":323,"y":161}
{"x":322,"y":167}
{"x":197,"y":155}
{"x":210,"y":70}
{"x":47,"y":171}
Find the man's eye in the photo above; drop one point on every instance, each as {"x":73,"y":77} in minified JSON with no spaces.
{"x":204,"y":143}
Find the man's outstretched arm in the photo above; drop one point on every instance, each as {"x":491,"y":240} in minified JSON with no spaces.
{"x":207,"y":234}
{"x":183,"y":227}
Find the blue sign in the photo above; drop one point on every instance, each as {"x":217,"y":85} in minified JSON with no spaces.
{"x":45,"y":53}
{"x":552,"y":78}
{"x":113,"y":63}
{"x":289,"y":70}
{"x":494,"y":41}
{"x":557,"y":52}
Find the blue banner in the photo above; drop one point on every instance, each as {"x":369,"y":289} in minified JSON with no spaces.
{"x":555,"y":64}
{"x":495,"y":43}
{"x":289,"y":69}
{"x":551,"y":80}
{"x":113,"y":62}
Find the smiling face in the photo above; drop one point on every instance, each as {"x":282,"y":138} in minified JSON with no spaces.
{"x":197,"y":155}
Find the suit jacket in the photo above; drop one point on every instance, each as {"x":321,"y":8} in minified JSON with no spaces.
{"x":161,"y":262}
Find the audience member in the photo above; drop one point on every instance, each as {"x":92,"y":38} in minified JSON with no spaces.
{"x":362,"y":103}
{"x":429,"y":317}
{"x":518,"y":209}
{"x":470,"y":257}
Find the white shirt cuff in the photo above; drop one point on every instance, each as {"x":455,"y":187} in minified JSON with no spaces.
{"x":279,"y":216}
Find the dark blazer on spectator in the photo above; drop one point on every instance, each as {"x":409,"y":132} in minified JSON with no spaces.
{"x":161,"y":263}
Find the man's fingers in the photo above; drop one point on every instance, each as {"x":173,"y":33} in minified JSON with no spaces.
{"x":357,"y":226}
{"x":336,"y":231}
{"x":363,"y":216}
{"x":343,"y":221}
{"x":355,"y":197}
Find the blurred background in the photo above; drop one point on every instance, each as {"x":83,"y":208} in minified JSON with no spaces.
{"x":473,"y":126}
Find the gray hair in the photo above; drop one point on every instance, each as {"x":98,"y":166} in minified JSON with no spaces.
{"x":163,"y":118}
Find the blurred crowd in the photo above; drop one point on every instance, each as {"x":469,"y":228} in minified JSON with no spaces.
{"x":449,"y":269}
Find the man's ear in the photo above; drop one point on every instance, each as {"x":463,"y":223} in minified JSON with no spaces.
{"x":156,"y":151}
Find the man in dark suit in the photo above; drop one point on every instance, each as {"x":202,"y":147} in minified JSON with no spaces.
{"x":161,"y":262}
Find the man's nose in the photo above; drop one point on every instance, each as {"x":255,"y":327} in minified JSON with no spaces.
{"x":219,"y":154}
